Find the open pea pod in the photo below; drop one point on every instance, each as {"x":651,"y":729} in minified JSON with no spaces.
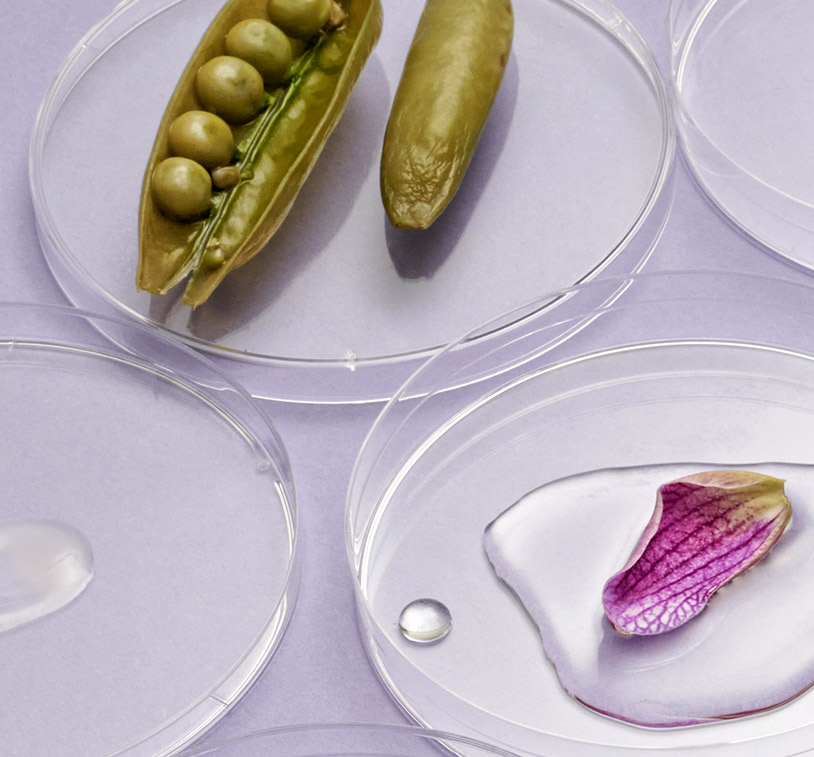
{"x":275,"y":149}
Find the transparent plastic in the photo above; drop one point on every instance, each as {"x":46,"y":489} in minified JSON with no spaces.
{"x":150,"y":503}
{"x":681,"y":368}
{"x":744,"y":108}
{"x":344,"y":739}
{"x":571,"y":179}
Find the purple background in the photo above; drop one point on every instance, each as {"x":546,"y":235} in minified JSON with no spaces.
{"x":320,"y":671}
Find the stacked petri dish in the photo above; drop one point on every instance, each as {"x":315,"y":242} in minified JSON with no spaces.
{"x":359,"y":739}
{"x":678,"y":373}
{"x":572,"y":180}
{"x":743,"y":104}
{"x":613,"y":373}
{"x":148,"y":537}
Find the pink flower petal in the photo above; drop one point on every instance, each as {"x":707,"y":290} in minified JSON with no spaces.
{"x":705,"y":530}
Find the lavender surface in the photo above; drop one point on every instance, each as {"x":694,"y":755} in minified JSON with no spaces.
{"x":320,"y":672}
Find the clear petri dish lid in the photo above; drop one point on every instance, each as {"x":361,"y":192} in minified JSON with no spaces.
{"x":147,"y":537}
{"x":571,"y":179}
{"x":670,"y":374}
{"x":743,"y":108}
{"x":342,"y":739}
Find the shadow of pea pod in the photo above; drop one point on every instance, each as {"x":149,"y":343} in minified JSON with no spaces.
{"x":322,"y":206}
{"x":418,"y":254}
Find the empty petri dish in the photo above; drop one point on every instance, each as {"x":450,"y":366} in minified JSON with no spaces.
{"x":744,"y":107}
{"x":683,"y":371}
{"x":571,"y":179}
{"x":146,"y":537}
{"x":342,"y":739}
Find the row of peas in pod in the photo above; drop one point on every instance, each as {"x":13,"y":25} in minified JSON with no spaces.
{"x":232,"y":89}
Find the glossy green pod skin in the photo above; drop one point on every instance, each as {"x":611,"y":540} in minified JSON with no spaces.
{"x":276,"y":152}
{"x":450,"y":80}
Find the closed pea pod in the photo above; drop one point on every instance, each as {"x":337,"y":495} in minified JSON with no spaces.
{"x":450,"y":80}
{"x":276,"y":147}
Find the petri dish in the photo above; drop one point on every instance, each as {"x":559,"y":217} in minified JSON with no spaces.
{"x":572,"y":179}
{"x":703,"y":370}
{"x":342,"y":739}
{"x":743,"y":106}
{"x":146,"y":537}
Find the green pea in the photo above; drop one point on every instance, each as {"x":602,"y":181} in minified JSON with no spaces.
{"x":230,"y":88}
{"x":202,"y":137}
{"x":264,"y":46}
{"x":301,"y":19}
{"x":214,"y":258}
{"x":181,"y":188}
{"x":226,"y":177}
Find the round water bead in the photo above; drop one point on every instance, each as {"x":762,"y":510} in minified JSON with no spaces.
{"x":425,"y":621}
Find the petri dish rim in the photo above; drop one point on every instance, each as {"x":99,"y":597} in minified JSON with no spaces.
{"x":678,"y":70}
{"x":681,"y":40}
{"x":147,"y":351}
{"x":368,"y":618}
{"x":373,"y":630}
{"x":602,"y":13}
{"x":381,"y":732}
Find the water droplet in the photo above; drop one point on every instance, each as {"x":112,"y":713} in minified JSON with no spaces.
{"x":43,"y":566}
{"x":425,"y":621}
